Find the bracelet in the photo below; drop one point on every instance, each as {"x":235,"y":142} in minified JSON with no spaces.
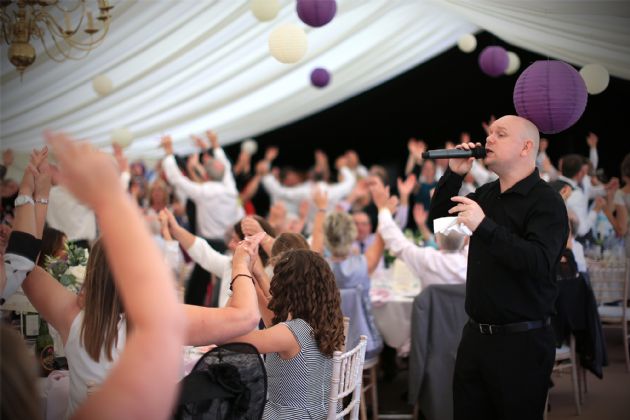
{"x":41,"y":200}
{"x":241,"y":275}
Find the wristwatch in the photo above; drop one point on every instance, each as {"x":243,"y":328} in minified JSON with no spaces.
{"x":20,"y":200}
{"x":41,"y":200}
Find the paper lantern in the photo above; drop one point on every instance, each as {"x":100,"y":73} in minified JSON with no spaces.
{"x":513,"y":63}
{"x":102,"y":85}
{"x":493,"y":61}
{"x":467,"y":43}
{"x":551,"y":94}
{"x":320,"y":77}
{"x":264,"y":10}
{"x":249,"y":146}
{"x":122,"y":136}
{"x":316,"y":13}
{"x":288,"y":43}
{"x":596,"y":78}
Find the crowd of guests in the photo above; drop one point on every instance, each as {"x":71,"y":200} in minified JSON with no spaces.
{"x":271,"y":248}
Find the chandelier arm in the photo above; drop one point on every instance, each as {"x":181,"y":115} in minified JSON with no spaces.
{"x":80,"y":3}
{"x":51,"y":24}
{"x":86,"y":46}
{"x":59,"y":49}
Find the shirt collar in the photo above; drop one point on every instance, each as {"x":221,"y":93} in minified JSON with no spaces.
{"x":569,"y":181}
{"x":524,"y":186}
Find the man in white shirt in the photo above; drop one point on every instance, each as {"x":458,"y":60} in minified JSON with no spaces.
{"x":294,"y":195}
{"x":217,"y":204}
{"x":444,"y":266}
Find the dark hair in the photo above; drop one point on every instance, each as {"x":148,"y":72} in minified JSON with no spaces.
{"x":303,"y":286}
{"x":572,"y":164}
{"x":287,"y":241}
{"x":264,"y":224}
{"x":52,"y":243}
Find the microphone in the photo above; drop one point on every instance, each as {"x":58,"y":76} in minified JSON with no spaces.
{"x":477,"y":153}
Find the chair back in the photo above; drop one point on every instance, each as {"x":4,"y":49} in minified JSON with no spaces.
{"x":346,"y":329}
{"x":609,"y":280}
{"x":346,"y":380}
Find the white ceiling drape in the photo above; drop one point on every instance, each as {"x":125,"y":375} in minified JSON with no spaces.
{"x":183,"y":66}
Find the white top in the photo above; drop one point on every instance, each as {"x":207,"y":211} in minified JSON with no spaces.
{"x":67,"y":214}
{"x":293,"y":196}
{"x":84,"y":371}
{"x":216,"y":263}
{"x":431,"y":266}
{"x":578,"y":255}
{"x":218,"y":206}
{"x":578,"y":204}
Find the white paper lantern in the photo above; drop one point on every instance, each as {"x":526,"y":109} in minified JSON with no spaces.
{"x":122,"y":136}
{"x":249,"y":146}
{"x":102,"y":84}
{"x":467,"y":43}
{"x":596,"y":78}
{"x":513,"y":63}
{"x":288,"y":43}
{"x":264,"y":10}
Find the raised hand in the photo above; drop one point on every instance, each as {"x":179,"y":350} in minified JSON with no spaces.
{"x":89,"y":174}
{"x":380,"y":193}
{"x":392,"y":204}
{"x":262,"y":167}
{"x":247,"y":249}
{"x":420,"y":215}
{"x":199,"y":142}
{"x":320,"y":198}
{"x":271,"y":153}
{"x":214,"y":139}
{"x":250,"y":226}
{"x":405,"y":188}
{"x":591,"y":140}
{"x":486,"y":125}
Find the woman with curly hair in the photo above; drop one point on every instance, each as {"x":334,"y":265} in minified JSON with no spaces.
{"x":307,"y":328}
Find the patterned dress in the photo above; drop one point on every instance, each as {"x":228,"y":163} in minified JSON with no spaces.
{"x":298,"y":388}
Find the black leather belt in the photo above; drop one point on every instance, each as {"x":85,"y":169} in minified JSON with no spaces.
{"x":492,"y":329}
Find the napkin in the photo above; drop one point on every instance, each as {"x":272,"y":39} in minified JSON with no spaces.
{"x":446,"y":225}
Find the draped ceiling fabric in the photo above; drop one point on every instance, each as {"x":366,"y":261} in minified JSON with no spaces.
{"x":180,"y":67}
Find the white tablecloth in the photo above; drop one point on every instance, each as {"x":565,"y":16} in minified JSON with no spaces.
{"x":392,"y":293}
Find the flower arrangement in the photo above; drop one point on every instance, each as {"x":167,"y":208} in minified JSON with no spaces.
{"x":69,"y":270}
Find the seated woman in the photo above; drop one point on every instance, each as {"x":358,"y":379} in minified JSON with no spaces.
{"x":96,"y":325}
{"x":207,"y":257}
{"x":352,"y":271}
{"x":307,"y":327}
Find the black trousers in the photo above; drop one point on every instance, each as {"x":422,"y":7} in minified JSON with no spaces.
{"x":199,"y":279}
{"x":503,"y":376}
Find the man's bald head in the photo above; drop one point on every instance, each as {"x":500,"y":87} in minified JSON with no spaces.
{"x":527,"y":130}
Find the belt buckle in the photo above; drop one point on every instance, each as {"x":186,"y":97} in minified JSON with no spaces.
{"x":486,"y":329}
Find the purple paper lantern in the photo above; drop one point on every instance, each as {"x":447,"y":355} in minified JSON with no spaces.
{"x":551,"y":94}
{"x":494,"y":61}
{"x":320,"y":77}
{"x":316,"y":13}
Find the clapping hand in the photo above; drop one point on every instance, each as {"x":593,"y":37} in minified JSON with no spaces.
{"x":247,"y":250}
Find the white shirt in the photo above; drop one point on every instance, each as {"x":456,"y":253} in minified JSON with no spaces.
{"x":578,"y":255}
{"x":67,"y":214}
{"x":431,"y":266}
{"x":218,"y":206}
{"x":578,"y":204}
{"x":214,"y":262}
{"x":84,"y":371}
{"x":293,"y":196}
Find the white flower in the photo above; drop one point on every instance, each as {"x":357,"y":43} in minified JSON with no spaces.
{"x":78,"y":271}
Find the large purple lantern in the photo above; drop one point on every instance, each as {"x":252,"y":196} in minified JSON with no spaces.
{"x":320,"y":77}
{"x":494,"y":61}
{"x":551,"y":94}
{"x":316,"y":13}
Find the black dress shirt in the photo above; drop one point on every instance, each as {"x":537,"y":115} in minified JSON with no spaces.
{"x":511,"y":275}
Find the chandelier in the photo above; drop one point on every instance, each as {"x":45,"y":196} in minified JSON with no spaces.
{"x":25,"y":19}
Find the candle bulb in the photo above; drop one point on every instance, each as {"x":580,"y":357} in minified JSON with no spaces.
{"x":90,"y":22}
{"x":66,"y":18}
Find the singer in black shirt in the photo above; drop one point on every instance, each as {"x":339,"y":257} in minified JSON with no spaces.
{"x":520,"y":227}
